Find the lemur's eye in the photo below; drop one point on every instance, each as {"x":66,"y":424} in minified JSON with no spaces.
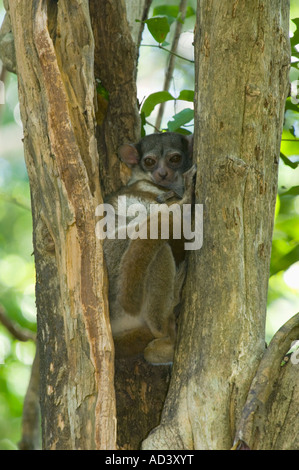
{"x":176,"y":158}
{"x":149,"y":162}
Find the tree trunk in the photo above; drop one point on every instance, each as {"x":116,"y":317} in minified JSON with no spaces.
{"x":55,"y":54}
{"x":56,"y":47}
{"x":140,"y":387}
{"x":242,"y":63}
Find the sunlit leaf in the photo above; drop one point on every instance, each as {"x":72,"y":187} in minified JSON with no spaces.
{"x":294,"y":191}
{"x":286,"y":231}
{"x":186,"y":95}
{"x":6,"y":444}
{"x":180,"y":119}
{"x":183,"y":131}
{"x":158,"y":27}
{"x":288,"y":162}
{"x":101,"y":90}
{"x":291,"y":106}
{"x":295,"y":39}
{"x":172,"y":11}
{"x":285,"y":261}
{"x":154,"y":99}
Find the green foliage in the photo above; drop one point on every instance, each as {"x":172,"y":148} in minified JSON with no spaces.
{"x":284,"y":268}
{"x":285,"y":244}
{"x":295,"y":38}
{"x":153,"y":99}
{"x":16,"y":269}
{"x":293,"y":191}
{"x":158,"y":27}
{"x":285,"y":247}
{"x":288,"y":162}
{"x":161,"y":26}
{"x":101,"y":90}
{"x":162,"y":19}
{"x":180,"y":119}
{"x":172,"y":12}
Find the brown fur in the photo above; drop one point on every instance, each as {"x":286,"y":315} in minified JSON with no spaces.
{"x":146,"y":275}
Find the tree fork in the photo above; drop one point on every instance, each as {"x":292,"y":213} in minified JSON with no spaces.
{"x":273,"y":397}
{"x":140,"y":387}
{"x":77,"y":377}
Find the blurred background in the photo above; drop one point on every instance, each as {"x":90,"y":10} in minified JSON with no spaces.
{"x":17,"y":274}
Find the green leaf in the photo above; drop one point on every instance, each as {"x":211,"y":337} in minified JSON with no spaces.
{"x":294,"y":191}
{"x":288,"y":162}
{"x":166,"y":10}
{"x":6,"y":444}
{"x":186,"y":95}
{"x":154,"y":99}
{"x":291,"y":106}
{"x":295,"y":39}
{"x":158,"y":27}
{"x":180,"y":119}
{"x":101,"y":90}
{"x":183,"y":131}
{"x":292,"y":131}
{"x":283,"y":263}
{"x":172,"y":11}
{"x":190,"y":12}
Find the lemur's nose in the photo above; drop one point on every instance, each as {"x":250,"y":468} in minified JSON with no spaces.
{"x":162,"y":173}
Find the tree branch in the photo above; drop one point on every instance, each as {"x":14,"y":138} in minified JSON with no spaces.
{"x":19,"y":333}
{"x":30,"y":423}
{"x":31,"y":411}
{"x":173,"y":55}
{"x":255,"y":411}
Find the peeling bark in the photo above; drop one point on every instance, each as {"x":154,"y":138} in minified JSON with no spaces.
{"x":116,"y":55}
{"x":58,"y":56}
{"x":140,"y":387}
{"x":56,"y":93}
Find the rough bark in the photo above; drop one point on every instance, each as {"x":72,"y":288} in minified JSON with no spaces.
{"x":140,"y":388}
{"x":55,"y":52}
{"x":242,"y":57}
{"x":116,"y":52}
{"x":56,"y":80}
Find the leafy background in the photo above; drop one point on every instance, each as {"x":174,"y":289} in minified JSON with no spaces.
{"x":17,"y":275}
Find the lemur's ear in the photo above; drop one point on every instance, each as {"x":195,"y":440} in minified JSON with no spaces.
{"x":128,"y":153}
